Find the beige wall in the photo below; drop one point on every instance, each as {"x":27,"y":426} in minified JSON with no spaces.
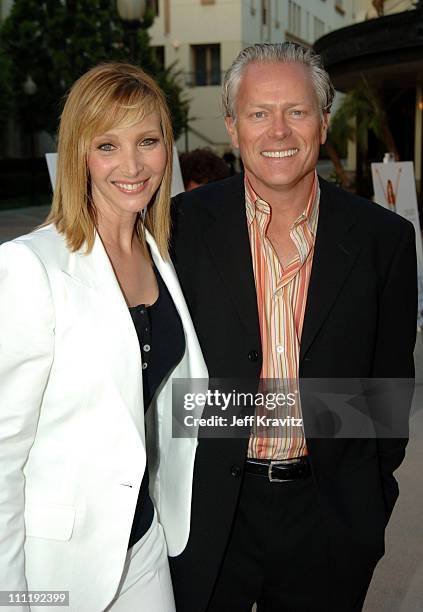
{"x":192,"y":23}
{"x":364,"y":9}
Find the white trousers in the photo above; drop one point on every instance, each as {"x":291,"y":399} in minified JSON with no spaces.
{"x":145,"y":585}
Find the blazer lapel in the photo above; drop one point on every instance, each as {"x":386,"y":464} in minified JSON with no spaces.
{"x":112,"y":325}
{"x":334,"y":256}
{"x":229,"y":244}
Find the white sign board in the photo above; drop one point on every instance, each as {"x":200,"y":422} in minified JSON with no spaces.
{"x":177,"y":182}
{"x":51,"y":159}
{"x":395,"y":188}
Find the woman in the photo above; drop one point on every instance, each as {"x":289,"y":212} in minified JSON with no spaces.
{"x":89,"y":339}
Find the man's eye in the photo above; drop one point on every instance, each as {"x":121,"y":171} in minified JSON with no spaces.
{"x":297,"y":113}
{"x":259,"y":114}
{"x":106,"y":146}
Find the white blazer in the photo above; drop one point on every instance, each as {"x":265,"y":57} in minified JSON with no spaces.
{"x":72,"y":442}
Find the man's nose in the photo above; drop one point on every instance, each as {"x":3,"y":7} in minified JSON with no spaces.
{"x":280,"y":127}
{"x":131,"y":162}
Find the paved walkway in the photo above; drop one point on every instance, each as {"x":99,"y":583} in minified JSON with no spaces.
{"x":20,"y":221}
{"x":397,"y":585}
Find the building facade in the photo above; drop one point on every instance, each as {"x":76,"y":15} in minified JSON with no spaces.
{"x":385,"y":46}
{"x":204,"y":36}
{"x":369,"y":9}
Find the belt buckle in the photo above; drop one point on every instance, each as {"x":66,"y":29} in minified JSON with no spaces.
{"x":269,"y":472}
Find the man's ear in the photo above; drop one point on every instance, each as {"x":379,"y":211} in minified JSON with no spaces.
{"x":324,"y":126}
{"x":232,"y":131}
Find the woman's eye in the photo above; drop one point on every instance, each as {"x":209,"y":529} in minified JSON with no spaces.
{"x":148,"y":142}
{"x":106,"y":146}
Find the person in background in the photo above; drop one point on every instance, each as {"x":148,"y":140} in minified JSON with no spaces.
{"x":230,"y":159}
{"x":93,"y":328}
{"x":202,"y":166}
{"x":289,"y":277}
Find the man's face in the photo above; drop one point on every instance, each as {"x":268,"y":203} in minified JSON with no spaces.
{"x":278,"y":127}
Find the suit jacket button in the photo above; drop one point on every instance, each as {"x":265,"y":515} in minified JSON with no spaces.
{"x":253,"y":355}
{"x":236,"y":471}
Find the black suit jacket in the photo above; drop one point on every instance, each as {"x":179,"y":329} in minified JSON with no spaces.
{"x":360,"y":322}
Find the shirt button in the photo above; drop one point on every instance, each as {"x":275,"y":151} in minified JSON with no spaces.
{"x":144,"y":365}
{"x":253,"y":355}
{"x":236,"y":471}
{"x":146,"y":348}
{"x":280,"y":349}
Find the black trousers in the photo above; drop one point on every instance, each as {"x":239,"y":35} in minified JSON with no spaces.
{"x":278,"y":554}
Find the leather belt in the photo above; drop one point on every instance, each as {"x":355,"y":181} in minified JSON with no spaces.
{"x":279,"y":471}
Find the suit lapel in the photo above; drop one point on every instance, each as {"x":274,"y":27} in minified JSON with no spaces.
{"x":229,"y":245}
{"x":334,"y":256}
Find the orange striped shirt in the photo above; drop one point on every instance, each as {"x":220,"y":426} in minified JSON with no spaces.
{"x":281,"y":301}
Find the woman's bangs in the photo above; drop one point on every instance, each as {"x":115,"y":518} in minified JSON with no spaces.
{"x":124,"y":113}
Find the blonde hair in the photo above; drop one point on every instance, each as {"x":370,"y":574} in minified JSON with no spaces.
{"x":287,"y":52}
{"x":107,"y":96}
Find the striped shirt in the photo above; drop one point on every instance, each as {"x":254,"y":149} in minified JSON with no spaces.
{"x":281,"y":301}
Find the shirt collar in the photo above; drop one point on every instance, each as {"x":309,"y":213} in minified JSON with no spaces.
{"x":255,"y":204}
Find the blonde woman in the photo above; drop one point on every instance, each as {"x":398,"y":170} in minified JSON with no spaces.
{"x":93,"y":327}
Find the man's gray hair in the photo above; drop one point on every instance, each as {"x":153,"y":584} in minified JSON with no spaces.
{"x":287,"y":52}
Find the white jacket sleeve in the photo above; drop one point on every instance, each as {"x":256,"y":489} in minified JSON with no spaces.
{"x":26,"y":354}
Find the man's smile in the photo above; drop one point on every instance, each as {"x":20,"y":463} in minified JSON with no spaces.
{"x":280,"y":153}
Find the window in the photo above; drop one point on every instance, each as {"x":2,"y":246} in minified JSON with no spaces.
{"x":319,"y":28}
{"x":154,"y":5}
{"x":277,"y":20}
{"x":206,"y":65}
{"x":294,"y":18}
{"x":264,"y":11}
{"x":159,"y":55}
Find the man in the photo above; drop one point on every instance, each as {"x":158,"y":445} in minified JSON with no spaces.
{"x":288,"y":276}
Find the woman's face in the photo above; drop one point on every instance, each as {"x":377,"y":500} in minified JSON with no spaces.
{"x":126,"y":166}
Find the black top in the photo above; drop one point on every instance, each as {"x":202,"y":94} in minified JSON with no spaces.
{"x":162,"y":343}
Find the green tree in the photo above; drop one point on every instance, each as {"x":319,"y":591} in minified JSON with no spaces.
{"x":56,"y":41}
{"x":365,"y":107}
{"x":5,"y":89}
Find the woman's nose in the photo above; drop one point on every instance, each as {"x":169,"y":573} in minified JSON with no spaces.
{"x":131,"y":162}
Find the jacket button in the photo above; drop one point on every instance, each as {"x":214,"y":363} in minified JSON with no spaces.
{"x":253,"y":355}
{"x":236,"y":471}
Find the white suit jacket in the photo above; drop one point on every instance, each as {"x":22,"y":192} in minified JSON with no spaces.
{"x":72,"y":442}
